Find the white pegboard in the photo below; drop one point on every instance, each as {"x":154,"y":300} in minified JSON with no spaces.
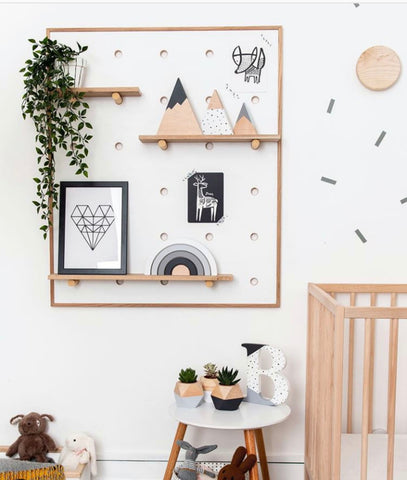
{"x":149,"y":169}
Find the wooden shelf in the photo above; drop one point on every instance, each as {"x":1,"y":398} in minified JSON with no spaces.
{"x":117,"y":93}
{"x":209,"y":280}
{"x":163,"y":140}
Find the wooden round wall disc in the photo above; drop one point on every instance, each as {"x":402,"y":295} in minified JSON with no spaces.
{"x":378,"y":68}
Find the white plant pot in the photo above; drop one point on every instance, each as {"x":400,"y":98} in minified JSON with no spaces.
{"x":76,"y":70}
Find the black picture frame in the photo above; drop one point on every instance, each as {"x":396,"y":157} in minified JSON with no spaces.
{"x":93,"y":228}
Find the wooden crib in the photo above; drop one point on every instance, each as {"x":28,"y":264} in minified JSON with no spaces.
{"x":334,"y":448}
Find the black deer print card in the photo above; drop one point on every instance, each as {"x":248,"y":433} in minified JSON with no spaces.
{"x":205,"y":197}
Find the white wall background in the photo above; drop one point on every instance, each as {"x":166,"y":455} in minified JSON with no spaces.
{"x":111,"y":372}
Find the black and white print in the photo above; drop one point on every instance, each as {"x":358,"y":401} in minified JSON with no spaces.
{"x":93,"y":228}
{"x":205,"y":197}
{"x":249,"y":63}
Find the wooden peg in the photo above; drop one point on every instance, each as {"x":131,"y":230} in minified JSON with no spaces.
{"x":209,"y":283}
{"x":255,"y":144}
{"x":72,"y":282}
{"x":117,"y":98}
{"x":163,"y":144}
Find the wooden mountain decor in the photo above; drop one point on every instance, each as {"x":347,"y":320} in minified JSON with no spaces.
{"x":179,"y":118}
{"x":244,"y":125}
{"x":216,"y":121}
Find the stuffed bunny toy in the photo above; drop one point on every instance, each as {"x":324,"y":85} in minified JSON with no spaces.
{"x":189,"y":469}
{"x":33,"y":443}
{"x":79,"y":448}
{"x":238,"y":467}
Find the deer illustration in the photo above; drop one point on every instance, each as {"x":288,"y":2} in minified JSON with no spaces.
{"x":204,"y":201}
{"x":249,"y":63}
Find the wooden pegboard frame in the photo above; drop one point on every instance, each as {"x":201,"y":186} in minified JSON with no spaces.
{"x":278,"y":140}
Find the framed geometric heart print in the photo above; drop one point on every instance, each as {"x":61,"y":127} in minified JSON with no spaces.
{"x":93,"y":228}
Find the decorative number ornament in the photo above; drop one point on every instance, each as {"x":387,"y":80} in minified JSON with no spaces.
{"x":278,"y":363}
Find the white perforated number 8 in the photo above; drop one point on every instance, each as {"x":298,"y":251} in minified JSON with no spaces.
{"x":280,"y":382}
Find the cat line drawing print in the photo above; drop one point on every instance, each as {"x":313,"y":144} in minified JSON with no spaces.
{"x":251,"y":64}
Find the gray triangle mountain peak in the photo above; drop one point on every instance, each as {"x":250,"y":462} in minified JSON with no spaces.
{"x":243,"y":113}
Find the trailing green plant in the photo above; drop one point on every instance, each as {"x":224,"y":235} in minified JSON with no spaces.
{"x":228,"y":376}
{"x":211,"y":370}
{"x":59,"y":116}
{"x":187,"y":376}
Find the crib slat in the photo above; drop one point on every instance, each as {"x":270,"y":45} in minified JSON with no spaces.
{"x":351,"y":351}
{"x":371,"y":373}
{"x":366,"y":395}
{"x":339,"y":324}
{"x":391,"y":395}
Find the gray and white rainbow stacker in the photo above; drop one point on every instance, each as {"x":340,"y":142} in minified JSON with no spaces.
{"x":183,"y":257}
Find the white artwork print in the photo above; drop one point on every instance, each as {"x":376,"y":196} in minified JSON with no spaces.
{"x":93,"y":227}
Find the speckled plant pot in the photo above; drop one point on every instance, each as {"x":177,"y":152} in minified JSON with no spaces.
{"x":188,"y":395}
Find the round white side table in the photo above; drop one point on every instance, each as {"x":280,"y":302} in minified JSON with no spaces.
{"x":250,"y":417}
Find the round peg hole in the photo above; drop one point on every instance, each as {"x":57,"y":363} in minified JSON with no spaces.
{"x":254,"y":191}
{"x":164,"y":236}
{"x":254,"y":281}
{"x":163,"y":100}
{"x":254,"y":236}
{"x":164,"y":282}
{"x":208,"y":98}
{"x":209,"y":53}
{"x":118,"y":53}
{"x":118,"y":146}
{"x":209,"y":236}
{"x":255,"y":99}
{"x":163,"y":54}
{"x":119,"y":282}
{"x":164,"y":191}
{"x":209,"y":145}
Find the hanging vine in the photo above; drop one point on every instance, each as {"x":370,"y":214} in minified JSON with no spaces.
{"x":59,"y":116}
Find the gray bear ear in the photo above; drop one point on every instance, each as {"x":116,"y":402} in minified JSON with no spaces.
{"x":47,"y":415}
{"x":16,"y":419}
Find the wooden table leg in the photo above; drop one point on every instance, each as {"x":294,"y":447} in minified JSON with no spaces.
{"x":251,"y":448}
{"x":262,"y":454}
{"x":179,"y":435}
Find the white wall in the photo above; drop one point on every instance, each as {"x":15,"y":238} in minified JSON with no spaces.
{"x":111,"y":372}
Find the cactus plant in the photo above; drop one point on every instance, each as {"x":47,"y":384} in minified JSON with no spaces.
{"x":188,"y":392}
{"x":227,"y":395}
{"x":228,"y":376}
{"x":211,"y":370}
{"x":187,"y":376}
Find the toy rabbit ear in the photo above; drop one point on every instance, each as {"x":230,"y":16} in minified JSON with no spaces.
{"x":206,"y":448}
{"x":16,"y":419}
{"x":47,"y":415}
{"x":238,"y":456}
{"x":184,"y":445}
{"x":248,"y":463}
{"x":92,"y":453}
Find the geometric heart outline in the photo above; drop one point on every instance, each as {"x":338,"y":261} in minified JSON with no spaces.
{"x":93,"y":226}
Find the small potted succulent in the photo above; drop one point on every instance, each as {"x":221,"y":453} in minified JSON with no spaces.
{"x":188,"y":391}
{"x":209,"y":380}
{"x":227,"y":395}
